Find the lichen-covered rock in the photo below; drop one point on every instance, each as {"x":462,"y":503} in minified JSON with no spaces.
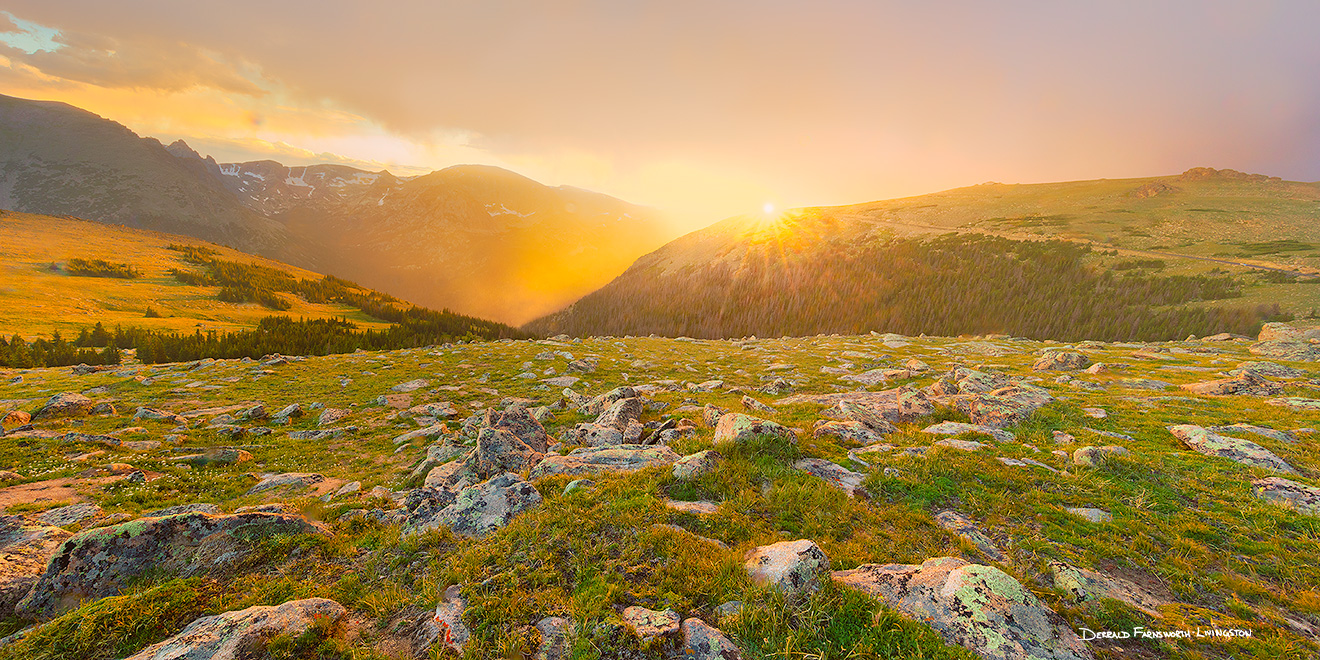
{"x":833,"y":474}
{"x":184,"y":508}
{"x":64,"y":404}
{"x":1061,"y":361}
{"x":15,"y":418}
{"x":1287,"y":349}
{"x":554,"y":638}
{"x":445,"y":626}
{"x":1085,"y":586}
{"x":520,"y":422}
{"x":1245,"y":383}
{"x":872,"y":418}
{"x":1089,"y":513}
{"x":594,"y":460}
{"x":216,"y":456}
{"x":437,"y":410}
{"x":711,"y":414}
{"x":702,"y":642}
{"x":500,"y":451}
{"x":25,"y":549}
{"x":596,"y":435}
{"x":1272,"y":434}
{"x":1090,"y":456}
{"x":70,"y":515}
{"x":154,"y":415}
{"x":963,"y":526}
{"x":100,"y":562}
{"x":1288,"y":494}
{"x":481,"y":509}
{"x":1242,"y":451}
{"x":650,"y":624}
{"x":978,"y":607}
{"x":285,"y":481}
{"x":695,"y":465}
{"x":1268,"y":370}
{"x":740,"y":428}
{"x":436,"y":455}
{"x":331,"y":416}
{"x":620,"y":413}
{"x":1003,"y":407}
{"x":959,"y":428}
{"x":846,"y":433}
{"x":792,"y":567}
{"x":236,"y":635}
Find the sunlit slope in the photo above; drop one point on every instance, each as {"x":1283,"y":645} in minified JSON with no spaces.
{"x":36,"y":299}
{"x":972,"y":260}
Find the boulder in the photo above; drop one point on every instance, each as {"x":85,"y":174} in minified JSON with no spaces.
{"x":26,"y":548}
{"x":437,"y":410}
{"x":756,"y":406}
{"x":331,"y":416}
{"x":1245,"y":452}
{"x":100,"y":562}
{"x":519,"y":421}
{"x":481,"y":509}
{"x":411,"y":386}
{"x":1268,"y":370}
{"x":15,"y":418}
{"x":1003,"y":407}
{"x":1091,"y":514}
{"x":964,"y":527}
{"x":1245,"y":383}
{"x":620,"y":413}
{"x":65,"y":404}
{"x":70,"y":515}
{"x":740,"y":428}
{"x":650,"y":624}
{"x":436,"y":455}
{"x":959,"y":428}
{"x":835,"y":475}
{"x":978,"y":607}
{"x":446,"y":626}
{"x":695,"y":465}
{"x":1096,"y":456}
{"x":1288,"y":494}
{"x":702,"y":642}
{"x":594,"y":460}
{"x":500,"y":451}
{"x":426,"y":432}
{"x":871,"y":418}
{"x":1061,"y":361}
{"x":236,"y":635}
{"x":184,"y":508}
{"x":596,"y":435}
{"x":285,"y":481}
{"x":287,"y":413}
{"x":154,"y":415}
{"x":853,"y":433}
{"x":216,"y":456}
{"x":1287,"y":349}
{"x":792,"y":567}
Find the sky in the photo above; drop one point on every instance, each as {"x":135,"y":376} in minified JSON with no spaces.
{"x":702,"y":109}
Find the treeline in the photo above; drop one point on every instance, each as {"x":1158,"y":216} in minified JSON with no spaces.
{"x":100,"y":268}
{"x":55,"y":351}
{"x":947,"y":285}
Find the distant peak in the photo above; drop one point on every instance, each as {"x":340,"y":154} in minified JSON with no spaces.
{"x":180,"y":149}
{"x":1207,"y":173}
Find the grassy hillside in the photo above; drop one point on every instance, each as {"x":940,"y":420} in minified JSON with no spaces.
{"x":1129,"y":259}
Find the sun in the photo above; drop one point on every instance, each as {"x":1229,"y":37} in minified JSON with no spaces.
{"x":768,"y":208}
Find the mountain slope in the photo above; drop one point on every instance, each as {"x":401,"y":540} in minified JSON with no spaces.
{"x":970,"y":260}
{"x":59,"y":160}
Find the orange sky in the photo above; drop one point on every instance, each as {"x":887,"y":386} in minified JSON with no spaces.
{"x":704,"y":109}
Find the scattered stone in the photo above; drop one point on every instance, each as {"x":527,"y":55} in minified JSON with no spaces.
{"x":154,"y":415}
{"x":711,"y":415}
{"x":519,"y":421}
{"x":1289,"y":494}
{"x":1061,"y":361}
{"x":554,"y":638}
{"x":740,"y":428}
{"x":26,"y":549}
{"x":286,"y":481}
{"x":595,"y":460}
{"x":15,"y":418}
{"x":963,"y":445}
{"x":752,"y":404}
{"x":978,"y":607}
{"x":1095,"y":413}
{"x":1296,"y":403}
{"x":446,"y":625}
{"x":1093,"y":515}
{"x":500,"y":451}
{"x":1245,"y":383}
{"x":216,"y":456}
{"x":963,"y":526}
{"x":481,"y":509}
{"x":650,"y":624}
{"x":184,"y":508}
{"x":1268,"y":370}
{"x":855,"y":433}
{"x":287,"y":413}
{"x":66,"y":404}
{"x":101,"y":562}
{"x":73,"y":514}
{"x":702,"y":507}
{"x":959,"y":428}
{"x":579,"y":484}
{"x":702,"y":642}
{"x":1096,"y":456}
{"x":835,"y":475}
{"x":1088,"y":586}
{"x":1245,"y":452}
{"x":1278,"y":436}
{"x":332,"y":416}
{"x":411,"y":386}
{"x":621,"y":413}
{"x":695,"y":465}
{"x":234,"y":635}
{"x":793,"y":567}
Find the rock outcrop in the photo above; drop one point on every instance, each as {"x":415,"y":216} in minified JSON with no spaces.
{"x":237,"y":635}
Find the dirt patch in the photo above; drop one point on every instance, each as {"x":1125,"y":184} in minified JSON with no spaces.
{"x":66,"y":490}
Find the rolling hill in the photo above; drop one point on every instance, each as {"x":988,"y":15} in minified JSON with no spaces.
{"x":1205,"y":252}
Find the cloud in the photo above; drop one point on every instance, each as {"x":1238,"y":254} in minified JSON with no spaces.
{"x":7,"y":24}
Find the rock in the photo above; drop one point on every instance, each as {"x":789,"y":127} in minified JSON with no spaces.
{"x":500,"y":451}
{"x":703,"y":508}
{"x":106,"y":440}
{"x":711,"y":415}
{"x":216,"y":456}
{"x":286,"y":413}
{"x":1004,"y":407}
{"x":740,"y":428}
{"x":595,"y":435}
{"x":835,"y":475}
{"x":104,"y":408}
{"x":595,"y":460}
{"x":1061,"y":361}
{"x":561,"y":381}
{"x":436,"y":455}
{"x":1267,"y":370}
{"x":26,"y":548}
{"x":319,"y":434}
{"x":579,"y":484}
{"x":554,"y":638}
{"x":70,"y":515}
{"x":1088,"y":586}
{"x":432,"y":431}
{"x":6,"y":476}
{"x":1245,"y":383}
{"x":729,"y":610}
{"x":1288,"y":494}
{"x":1245,"y":452}
{"x":446,"y":626}
{"x":437,"y":410}
{"x":332,"y":416}
{"x":963,"y":526}
{"x":1098,"y":368}
{"x":620,"y":413}
{"x":234,"y":635}
{"x":584,"y":365}
{"x":100,"y":562}
{"x":481,"y":509}
{"x":961,"y":445}
{"x":184,"y":508}
{"x":286,"y":481}
{"x":350,"y":488}
{"x":792,"y":567}
{"x":154,"y":415}
{"x":959,"y":428}
{"x":650,"y":624}
{"x":1296,"y":403}
{"x":15,"y":418}
{"x":1093,"y":515}
{"x":519,"y":421}
{"x":453,"y":476}
{"x":1096,"y":456}
{"x":1095,"y":413}
{"x":855,"y":433}
{"x":978,"y":607}
{"x":65,"y":404}
{"x":1287,"y":349}
{"x":695,"y":465}
{"x":411,"y":386}
{"x":756,"y":406}
{"x":702,"y":642}
{"x":1277,"y":436}
{"x":1276,"y":331}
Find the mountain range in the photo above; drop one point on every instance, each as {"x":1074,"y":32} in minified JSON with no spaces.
{"x":477,"y":239}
